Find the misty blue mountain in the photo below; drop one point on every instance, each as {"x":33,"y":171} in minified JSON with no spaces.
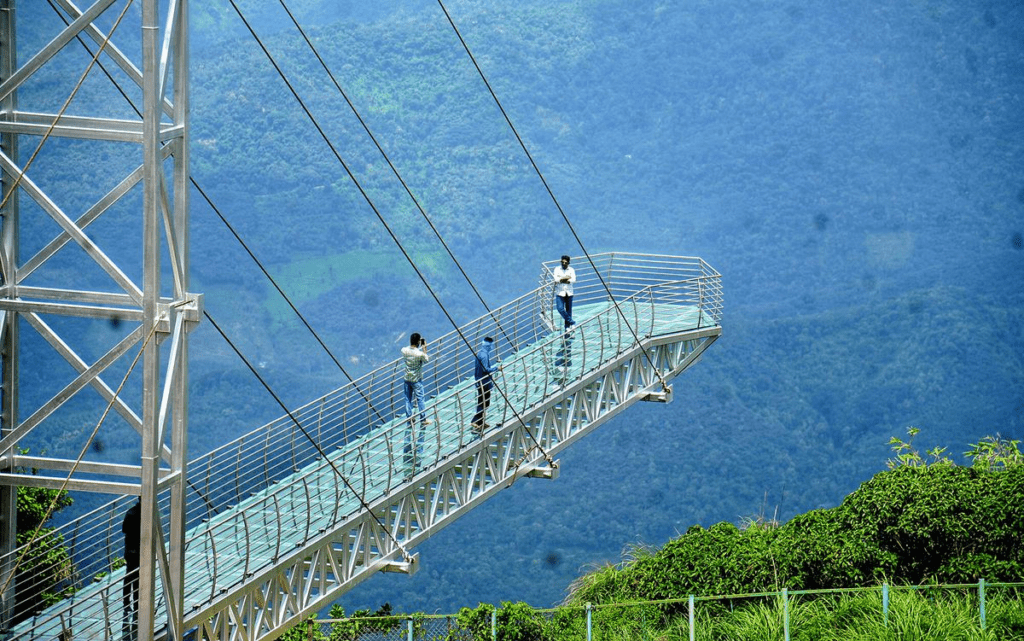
{"x":855,"y":170}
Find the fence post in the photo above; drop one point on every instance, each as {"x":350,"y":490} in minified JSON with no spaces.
{"x":885,"y":605}
{"x":692,"y":633}
{"x":409,"y":632}
{"x":785,"y":612}
{"x":981,"y":600}
{"x":590,"y":623}
{"x":494,"y":625}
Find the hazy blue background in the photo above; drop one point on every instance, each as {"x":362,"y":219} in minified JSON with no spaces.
{"x":855,"y":170}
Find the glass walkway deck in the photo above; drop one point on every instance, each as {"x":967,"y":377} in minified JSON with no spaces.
{"x":284,"y":520}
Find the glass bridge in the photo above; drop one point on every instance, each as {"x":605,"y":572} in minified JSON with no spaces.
{"x":287,"y":518}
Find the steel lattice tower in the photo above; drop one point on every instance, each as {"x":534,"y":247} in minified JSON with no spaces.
{"x":151,"y":305}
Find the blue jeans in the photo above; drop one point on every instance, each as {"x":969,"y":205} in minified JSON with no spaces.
{"x":563,"y":305}
{"x":414,"y":390}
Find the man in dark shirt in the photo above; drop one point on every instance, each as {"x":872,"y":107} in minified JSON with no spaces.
{"x":485,"y":367}
{"x":132,"y":528}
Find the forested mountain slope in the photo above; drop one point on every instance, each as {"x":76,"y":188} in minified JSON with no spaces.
{"x":854,"y":170}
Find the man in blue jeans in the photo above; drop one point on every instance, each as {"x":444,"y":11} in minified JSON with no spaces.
{"x":414,"y":357}
{"x":564,"y":277}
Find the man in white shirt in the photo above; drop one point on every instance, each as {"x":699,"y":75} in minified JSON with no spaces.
{"x":564,"y":277}
{"x":415,"y":357}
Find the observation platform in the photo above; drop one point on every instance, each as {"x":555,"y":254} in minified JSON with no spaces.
{"x":289,"y":517}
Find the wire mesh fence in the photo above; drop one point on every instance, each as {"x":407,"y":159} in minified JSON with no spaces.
{"x":781,"y":615}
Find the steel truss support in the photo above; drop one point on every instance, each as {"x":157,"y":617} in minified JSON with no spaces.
{"x":308,"y":578}
{"x":155,"y":317}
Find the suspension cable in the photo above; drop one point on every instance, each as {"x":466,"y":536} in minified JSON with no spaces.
{"x":394,"y":169}
{"x":362,"y":501}
{"x":240,"y":240}
{"x":286,"y":298}
{"x":81,"y":455}
{"x":64,"y":107}
{"x":551,"y":193}
{"x":379,"y":215}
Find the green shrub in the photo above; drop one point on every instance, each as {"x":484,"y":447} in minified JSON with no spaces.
{"x":915,"y":523}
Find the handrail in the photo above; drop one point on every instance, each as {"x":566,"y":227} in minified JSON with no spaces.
{"x":346,"y":421}
{"x":583,"y":615}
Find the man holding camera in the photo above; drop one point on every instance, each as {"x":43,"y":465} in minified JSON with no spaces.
{"x":415,"y":357}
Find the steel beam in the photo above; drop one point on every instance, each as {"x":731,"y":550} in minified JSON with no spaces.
{"x":151,"y":310}
{"x":306,"y":579}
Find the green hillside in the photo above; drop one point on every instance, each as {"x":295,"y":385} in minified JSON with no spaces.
{"x":854,"y":170}
{"x":916,"y":523}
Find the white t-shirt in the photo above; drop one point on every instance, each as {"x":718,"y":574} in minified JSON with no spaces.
{"x":564,"y":289}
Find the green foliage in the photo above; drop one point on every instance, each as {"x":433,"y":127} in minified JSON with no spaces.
{"x":519,"y":622}
{"x":995,"y":452}
{"x":362,"y":623}
{"x":33,"y":504}
{"x":912,"y":615}
{"x":908,"y":456}
{"x":477,"y":621}
{"x":515,"y":622}
{"x":46,"y":573}
{"x":305,"y":631}
{"x":916,"y":523}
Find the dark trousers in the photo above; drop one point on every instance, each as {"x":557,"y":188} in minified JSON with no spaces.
{"x":563,"y":305}
{"x":483,"y":399}
{"x":130,"y":589}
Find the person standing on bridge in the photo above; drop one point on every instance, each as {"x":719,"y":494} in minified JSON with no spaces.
{"x":131,"y":526}
{"x":485,"y":368}
{"x":415,"y":357}
{"x":564,"y":277}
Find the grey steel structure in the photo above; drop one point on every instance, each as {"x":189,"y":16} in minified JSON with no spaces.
{"x":285,"y":519}
{"x":246,"y":541}
{"x":152,"y":316}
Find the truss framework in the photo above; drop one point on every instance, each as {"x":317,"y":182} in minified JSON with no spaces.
{"x":158,"y":317}
{"x":308,"y":578}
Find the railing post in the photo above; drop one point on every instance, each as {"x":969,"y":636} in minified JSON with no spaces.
{"x":981,"y":601}
{"x":885,"y":605}
{"x":590,"y":622}
{"x":700,"y":302}
{"x":692,"y":631}
{"x":785,"y":612}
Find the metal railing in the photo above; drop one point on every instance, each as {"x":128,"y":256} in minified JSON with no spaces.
{"x":639,"y":619}
{"x":358,"y":425}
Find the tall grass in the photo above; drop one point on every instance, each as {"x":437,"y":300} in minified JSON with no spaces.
{"x":914,"y":615}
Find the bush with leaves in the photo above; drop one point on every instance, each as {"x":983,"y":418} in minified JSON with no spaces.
{"x":45,"y":573}
{"x":917,"y":522}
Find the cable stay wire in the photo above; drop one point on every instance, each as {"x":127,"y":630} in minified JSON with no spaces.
{"x":94,"y":61}
{"x":551,"y":193}
{"x":67,"y":103}
{"x":240,"y":240}
{"x":81,"y":455}
{"x":362,"y":500}
{"x":316,"y":445}
{"x":380,"y":216}
{"x":276,"y":285}
{"x":286,"y":298}
{"x":394,"y":170}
